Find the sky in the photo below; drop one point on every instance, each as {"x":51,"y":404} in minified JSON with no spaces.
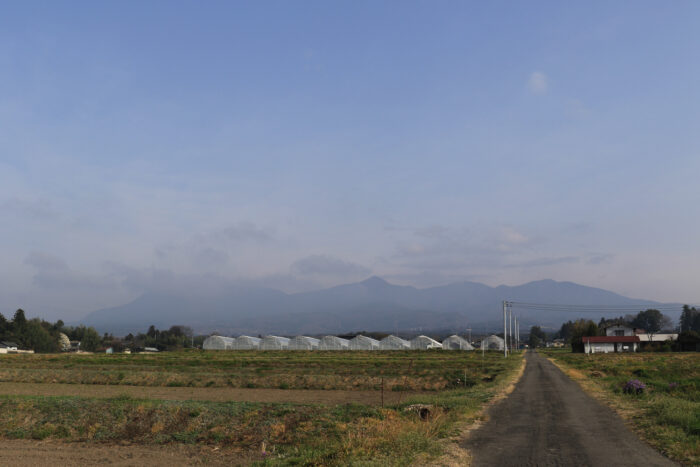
{"x":297,"y":145}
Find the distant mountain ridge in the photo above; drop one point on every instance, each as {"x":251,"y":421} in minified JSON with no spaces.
{"x":373,"y":305}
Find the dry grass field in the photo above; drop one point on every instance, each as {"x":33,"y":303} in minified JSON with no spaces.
{"x":314,"y":408}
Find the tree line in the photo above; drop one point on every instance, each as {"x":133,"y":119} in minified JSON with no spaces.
{"x":45,"y":337}
{"x":652,"y":321}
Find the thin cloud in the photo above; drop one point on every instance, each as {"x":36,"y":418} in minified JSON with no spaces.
{"x":538,"y":83}
{"x":328,"y":266}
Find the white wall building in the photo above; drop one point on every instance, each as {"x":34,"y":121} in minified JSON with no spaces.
{"x":609,"y":344}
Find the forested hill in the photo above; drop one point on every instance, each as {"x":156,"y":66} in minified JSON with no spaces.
{"x":373,"y":304}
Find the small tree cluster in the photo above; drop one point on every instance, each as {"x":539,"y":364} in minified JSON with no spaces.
{"x":177,"y":337}
{"x":34,"y":334}
{"x":690,"y":319}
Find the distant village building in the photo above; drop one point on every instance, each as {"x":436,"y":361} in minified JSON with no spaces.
{"x":8,"y":347}
{"x":619,"y":330}
{"x":608,"y":344}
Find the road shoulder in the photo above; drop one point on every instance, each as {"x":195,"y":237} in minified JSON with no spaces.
{"x":454,"y":452}
{"x":624,"y":409}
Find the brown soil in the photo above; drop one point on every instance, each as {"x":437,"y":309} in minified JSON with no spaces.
{"x":301,"y":396}
{"x":41,"y":453}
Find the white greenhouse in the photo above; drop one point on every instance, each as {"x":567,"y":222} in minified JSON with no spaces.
{"x":424,"y":343}
{"x":333,"y":343}
{"x":246,"y":343}
{"x":456,"y":342}
{"x":218,"y":343}
{"x":492,"y":342}
{"x":303,"y":343}
{"x":394,"y":343}
{"x":363,"y":343}
{"x":274,"y":343}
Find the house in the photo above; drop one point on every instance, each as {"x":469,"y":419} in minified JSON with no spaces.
{"x":8,"y":347}
{"x":619,"y":330}
{"x":660,"y":337}
{"x":607,"y":344}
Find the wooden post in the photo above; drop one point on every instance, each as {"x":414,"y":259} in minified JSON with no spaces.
{"x":382,"y":392}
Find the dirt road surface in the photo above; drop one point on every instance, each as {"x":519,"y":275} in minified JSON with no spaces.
{"x":548,"y":420}
{"x":300,"y":396}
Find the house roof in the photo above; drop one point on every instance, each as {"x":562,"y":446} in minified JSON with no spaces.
{"x":609,"y":339}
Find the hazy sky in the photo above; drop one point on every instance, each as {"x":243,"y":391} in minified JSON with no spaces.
{"x":305,"y":144}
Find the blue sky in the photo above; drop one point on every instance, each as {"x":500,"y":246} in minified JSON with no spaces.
{"x":298,"y":145}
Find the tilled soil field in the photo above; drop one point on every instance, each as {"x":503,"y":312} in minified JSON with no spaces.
{"x":301,"y":396}
{"x":23,"y":453}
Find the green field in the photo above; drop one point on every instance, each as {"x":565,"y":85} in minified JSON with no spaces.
{"x":667,"y":412}
{"x":306,"y":433}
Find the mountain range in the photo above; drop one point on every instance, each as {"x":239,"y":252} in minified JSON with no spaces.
{"x":371,"y":305}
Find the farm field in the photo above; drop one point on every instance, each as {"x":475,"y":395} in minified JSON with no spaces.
{"x":399,"y":370}
{"x":319,"y":408}
{"x":666,"y":412}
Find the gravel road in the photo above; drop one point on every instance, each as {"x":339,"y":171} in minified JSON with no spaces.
{"x":548,"y":420}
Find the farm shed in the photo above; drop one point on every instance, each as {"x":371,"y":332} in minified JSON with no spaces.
{"x":363,"y":343}
{"x":246,"y":343}
{"x":424,"y":343}
{"x":455,"y":342}
{"x":394,"y":343}
{"x":605,"y":344}
{"x":333,"y":343}
{"x":274,"y":343}
{"x":303,"y":343}
{"x":492,"y":342}
{"x":218,"y":343}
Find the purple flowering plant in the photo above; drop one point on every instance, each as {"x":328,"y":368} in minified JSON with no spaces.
{"x":634,"y":386}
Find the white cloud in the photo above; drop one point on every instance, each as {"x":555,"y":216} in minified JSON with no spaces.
{"x":538,"y":83}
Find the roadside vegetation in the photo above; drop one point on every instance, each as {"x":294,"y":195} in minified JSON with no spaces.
{"x":456,"y":385}
{"x":658,"y":393}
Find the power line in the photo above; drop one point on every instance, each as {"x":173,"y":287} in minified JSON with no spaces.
{"x":591,"y":308}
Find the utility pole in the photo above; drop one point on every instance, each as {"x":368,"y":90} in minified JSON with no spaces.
{"x":510,"y":327}
{"x":515,"y":322}
{"x":505,"y":329}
